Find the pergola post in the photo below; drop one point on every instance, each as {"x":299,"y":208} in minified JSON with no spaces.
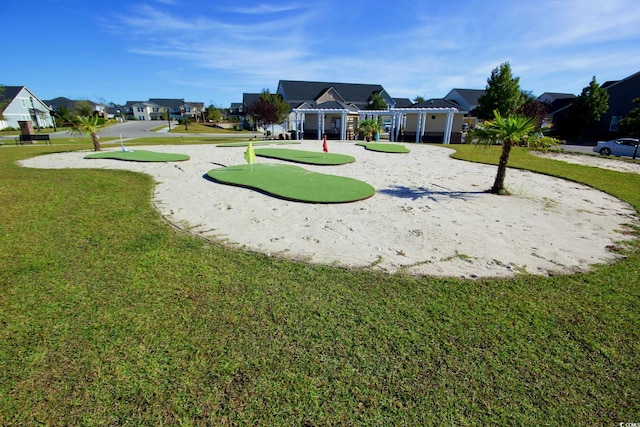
{"x":448,"y":128}
{"x":343,"y":126}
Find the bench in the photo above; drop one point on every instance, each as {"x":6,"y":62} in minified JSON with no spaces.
{"x":31,"y":138}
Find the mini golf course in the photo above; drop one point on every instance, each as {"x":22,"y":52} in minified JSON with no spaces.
{"x":307,"y":157}
{"x":138,"y":156}
{"x":293,"y":183}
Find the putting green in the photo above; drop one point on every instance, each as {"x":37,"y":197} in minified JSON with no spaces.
{"x":138,"y":156}
{"x":308,"y":157}
{"x":294,"y":183}
{"x":255,"y":143}
{"x":385,"y":148}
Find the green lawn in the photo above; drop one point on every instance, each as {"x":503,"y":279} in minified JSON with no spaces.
{"x":110,"y":316}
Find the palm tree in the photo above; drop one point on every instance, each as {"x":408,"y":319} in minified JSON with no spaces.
{"x":87,"y":125}
{"x":509,"y":131}
{"x":369,"y":128}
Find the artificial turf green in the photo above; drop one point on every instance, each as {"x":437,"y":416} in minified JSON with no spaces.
{"x":308,"y":157}
{"x":385,"y":148}
{"x":246,"y":143}
{"x":294,"y":183}
{"x":138,"y":156}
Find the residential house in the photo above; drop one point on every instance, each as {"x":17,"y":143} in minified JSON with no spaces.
{"x":327,"y":108}
{"x":621,"y":96}
{"x":22,"y":106}
{"x":467,"y":99}
{"x":334,"y":110}
{"x":158,"y":108}
{"x":57,"y":103}
{"x":141,"y":110}
{"x":556,"y":101}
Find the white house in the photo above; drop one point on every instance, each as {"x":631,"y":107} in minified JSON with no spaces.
{"x":22,"y":105}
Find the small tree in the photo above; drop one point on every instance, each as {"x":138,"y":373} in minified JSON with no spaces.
{"x":268,"y":109}
{"x":213,"y":113}
{"x":533,"y":108}
{"x":419,"y":99}
{"x":508,"y":131}
{"x":588,"y":107}
{"x":369,"y":128}
{"x":502,"y":94}
{"x":87,"y":126}
{"x":82,"y":108}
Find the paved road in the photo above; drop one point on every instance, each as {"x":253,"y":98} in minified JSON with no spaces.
{"x":140,"y":129}
{"x":582,"y":149}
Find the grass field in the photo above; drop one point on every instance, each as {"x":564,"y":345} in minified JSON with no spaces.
{"x":109,"y":316}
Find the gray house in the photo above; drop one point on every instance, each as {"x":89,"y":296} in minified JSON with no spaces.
{"x":467,"y":99}
{"x":621,"y":96}
{"x":22,"y":105}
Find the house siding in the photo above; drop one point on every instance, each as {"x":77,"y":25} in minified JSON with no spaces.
{"x":20,"y":108}
{"x":621,"y":96}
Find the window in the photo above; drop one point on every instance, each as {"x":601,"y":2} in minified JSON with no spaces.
{"x":140,"y":110}
{"x":614,"y":126}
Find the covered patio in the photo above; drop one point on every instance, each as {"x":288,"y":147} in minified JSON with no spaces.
{"x":407,"y":124}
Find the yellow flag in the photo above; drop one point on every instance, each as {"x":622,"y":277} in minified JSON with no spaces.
{"x":250,"y":155}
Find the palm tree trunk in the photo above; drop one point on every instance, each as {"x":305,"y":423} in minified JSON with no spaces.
{"x":498,"y":185}
{"x":96,"y":142}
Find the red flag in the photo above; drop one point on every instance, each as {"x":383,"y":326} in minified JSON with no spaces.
{"x":325,"y":147}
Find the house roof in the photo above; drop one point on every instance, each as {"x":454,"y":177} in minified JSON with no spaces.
{"x":437,"y":103}
{"x":10,"y":92}
{"x":556,"y":95}
{"x":168,"y":102}
{"x":403,"y":102}
{"x":249,"y":98}
{"x":297,"y":92}
{"x":610,"y":83}
{"x":469,"y":95}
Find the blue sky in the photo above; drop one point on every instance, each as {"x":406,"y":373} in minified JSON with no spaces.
{"x":213,"y":51}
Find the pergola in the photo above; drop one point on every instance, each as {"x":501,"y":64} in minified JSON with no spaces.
{"x":321,"y":113}
{"x":398,"y":119}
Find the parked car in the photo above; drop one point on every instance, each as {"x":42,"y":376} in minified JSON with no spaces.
{"x":617,"y":147}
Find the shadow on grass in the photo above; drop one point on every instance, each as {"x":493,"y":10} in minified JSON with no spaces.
{"x":404,"y":192}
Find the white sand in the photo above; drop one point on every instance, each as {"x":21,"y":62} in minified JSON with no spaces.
{"x":429,"y":215}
